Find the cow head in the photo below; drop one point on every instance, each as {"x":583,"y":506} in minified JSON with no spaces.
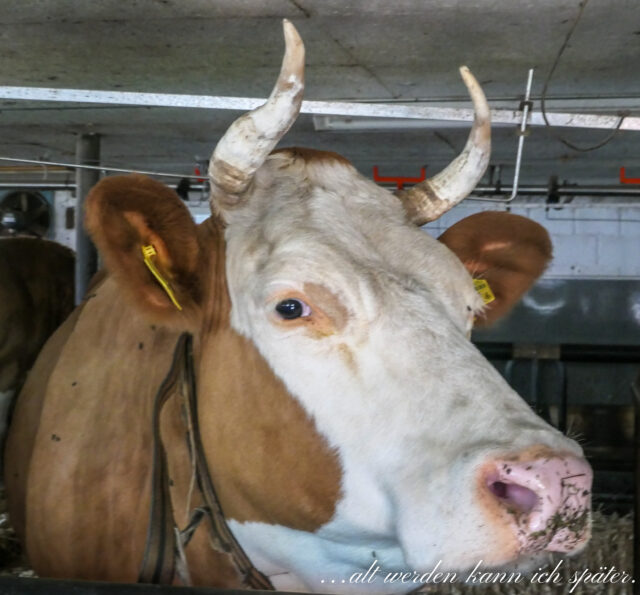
{"x":381,"y":432}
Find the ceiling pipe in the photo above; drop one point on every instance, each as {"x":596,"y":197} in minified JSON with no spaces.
{"x":336,"y":108}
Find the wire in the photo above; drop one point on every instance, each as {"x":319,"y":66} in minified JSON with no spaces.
{"x":563,"y":140}
{"x":101,"y":168}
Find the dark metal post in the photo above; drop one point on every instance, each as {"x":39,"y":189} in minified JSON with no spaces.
{"x":87,"y":153}
{"x":636,"y":503}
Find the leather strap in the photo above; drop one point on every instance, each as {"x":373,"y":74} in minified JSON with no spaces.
{"x":221,"y":535}
{"x":161,"y":550}
{"x":158,"y":562}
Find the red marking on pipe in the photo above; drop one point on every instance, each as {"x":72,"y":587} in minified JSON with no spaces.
{"x":399,"y":180}
{"x":196,"y":170}
{"x":625,"y":180}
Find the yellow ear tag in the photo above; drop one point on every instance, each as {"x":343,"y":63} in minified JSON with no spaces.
{"x":148,"y":252}
{"x":482,"y":287}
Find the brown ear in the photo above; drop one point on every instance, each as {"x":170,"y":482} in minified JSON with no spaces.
{"x":508,"y":251}
{"x":126,"y":213}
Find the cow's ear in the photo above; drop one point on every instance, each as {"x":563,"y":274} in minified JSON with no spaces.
{"x":149,"y":243}
{"x":508,"y":251}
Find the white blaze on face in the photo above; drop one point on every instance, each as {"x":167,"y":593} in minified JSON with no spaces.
{"x":384,"y":367}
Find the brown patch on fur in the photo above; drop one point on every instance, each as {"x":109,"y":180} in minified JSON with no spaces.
{"x":265,"y":454}
{"x":509,"y":251}
{"x":263,"y":449}
{"x":24,"y":428}
{"x":347,"y":357}
{"x":330,"y":303}
{"x":230,"y":183}
{"x":96,"y":281}
{"x":422,"y":204}
{"x":207,"y":567}
{"x":123,"y":213}
{"x":89,"y":493}
{"x":535,"y":452}
{"x":328,"y":314}
{"x":311,"y":155}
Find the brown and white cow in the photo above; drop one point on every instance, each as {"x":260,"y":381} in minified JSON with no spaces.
{"x":36,"y":295}
{"x":344,"y":414}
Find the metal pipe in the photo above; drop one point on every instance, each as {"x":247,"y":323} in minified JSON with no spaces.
{"x":569,"y":206}
{"x":87,"y":153}
{"x":521,"y":136}
{"x":562,"y":190}
{"x":337,"y":108}
{"x":636,"y":476}
{"x":38,"y":185}
{"x":523,"y":129}
{"x":527,"y":190}
{"x":13,"y":585}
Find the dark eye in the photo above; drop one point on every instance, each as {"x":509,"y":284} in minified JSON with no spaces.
{"x":291,"y":308}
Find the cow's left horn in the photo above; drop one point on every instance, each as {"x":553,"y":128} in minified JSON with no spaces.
{"x":428,"y":200}
{"x":248,"y":141}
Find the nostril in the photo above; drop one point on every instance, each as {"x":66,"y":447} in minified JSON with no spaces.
{"x":513,"y":495}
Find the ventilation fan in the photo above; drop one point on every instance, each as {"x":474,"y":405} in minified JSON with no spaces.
{"x":25,"y":212}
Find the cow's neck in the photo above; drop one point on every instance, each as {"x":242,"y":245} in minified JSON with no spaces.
{"x":255,"y":434}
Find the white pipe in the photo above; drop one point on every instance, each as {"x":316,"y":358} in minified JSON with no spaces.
{"x":337,"y":108}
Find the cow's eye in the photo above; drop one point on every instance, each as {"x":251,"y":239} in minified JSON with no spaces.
{"x":291,"y":308}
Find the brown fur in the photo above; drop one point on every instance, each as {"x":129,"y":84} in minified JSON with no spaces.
{"x":123,"y":213}
{"x":507,"y":250}
{"x":309,"y":155}
{"x":79,"y":450}
{"x":36,"y":295}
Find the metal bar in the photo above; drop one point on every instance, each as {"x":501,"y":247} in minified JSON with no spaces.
{"x":562,"y":190}
{"x":72,"y":186}
{"x":45,"y":586}
{"x":38,"y":186}
{"x":636,"y":476}
{"x":560,"y":207}
{"x":523,"y":129}
{"x":87,"y":152}
{"x":619,"y":190}
{"x":336,"y":108}
{"x":529,"y":191}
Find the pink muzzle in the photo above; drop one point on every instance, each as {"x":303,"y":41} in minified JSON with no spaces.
{"x":548,"y":499}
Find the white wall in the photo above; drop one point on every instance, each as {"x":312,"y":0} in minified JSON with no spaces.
{"x":62,"y":200}
{"x":592,"y":241}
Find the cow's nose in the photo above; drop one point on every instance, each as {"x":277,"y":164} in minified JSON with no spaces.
{"x":548,"y":498}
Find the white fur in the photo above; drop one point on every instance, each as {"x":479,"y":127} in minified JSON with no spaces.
{"x":422,"y":410}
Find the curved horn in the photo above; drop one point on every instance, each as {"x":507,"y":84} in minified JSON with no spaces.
{"x":248,"y":141}
{"x":428,"y":200}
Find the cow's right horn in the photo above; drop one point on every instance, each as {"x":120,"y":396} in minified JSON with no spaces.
{"x":248,"y":141}
{"x":428,"y":200}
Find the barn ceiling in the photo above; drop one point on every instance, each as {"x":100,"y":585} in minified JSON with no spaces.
{"x":373,"y":50}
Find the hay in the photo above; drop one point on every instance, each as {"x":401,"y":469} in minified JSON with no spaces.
{"x":611,"y":545}
{"x":12,"y":560}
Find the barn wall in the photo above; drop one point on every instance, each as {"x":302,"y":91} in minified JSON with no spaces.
{"x":589,"y":242}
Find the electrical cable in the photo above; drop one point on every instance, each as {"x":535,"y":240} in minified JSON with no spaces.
{"x":564,"y":141}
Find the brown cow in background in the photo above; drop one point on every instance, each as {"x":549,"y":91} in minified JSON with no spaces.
{"x":36,"y":295}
